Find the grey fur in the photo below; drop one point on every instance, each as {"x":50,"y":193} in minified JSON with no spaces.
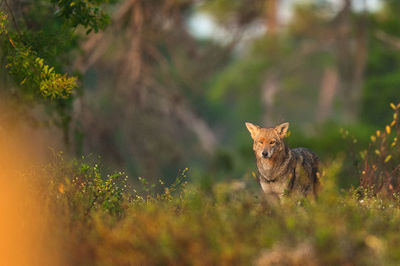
{"x":286,"y":176}
{"x":283,"y":170}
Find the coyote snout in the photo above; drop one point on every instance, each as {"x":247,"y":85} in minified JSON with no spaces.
{"x":281,"y":169}
{"x":267,"y":154}
{"x":268,"y":149}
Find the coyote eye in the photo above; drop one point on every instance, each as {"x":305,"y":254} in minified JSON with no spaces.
{"x":272,"y":142}
{"x":261,"y":142}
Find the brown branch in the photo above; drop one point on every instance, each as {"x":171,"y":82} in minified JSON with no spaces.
{"x":388,"y":39}
{"x":12,"y":17}
{"x":96,"y":45}
{"x":10,"y":40}
{"x":198,"y":126}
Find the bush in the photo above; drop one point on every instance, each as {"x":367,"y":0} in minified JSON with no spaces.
{"x":381,"y":168}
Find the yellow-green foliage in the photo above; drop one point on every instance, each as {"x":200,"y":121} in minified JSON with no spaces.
{"x":381,"y":169}
{"x":36,"y":77}
{"x":101,"y":222}
{"x":3,"y":23}
{"x":52,"y":84}
{"x":30,"y":72}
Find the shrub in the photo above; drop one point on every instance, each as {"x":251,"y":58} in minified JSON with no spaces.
{"x":381,"y":167}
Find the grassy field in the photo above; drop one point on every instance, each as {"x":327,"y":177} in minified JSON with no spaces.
{"x":71,"y":212}
{"x":93,"y":220}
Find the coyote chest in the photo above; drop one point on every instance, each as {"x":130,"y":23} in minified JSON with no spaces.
{"x":281,"y":169}
{"x":273,"y":180}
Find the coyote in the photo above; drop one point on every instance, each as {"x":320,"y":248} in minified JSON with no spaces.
{"x":283,"y":170}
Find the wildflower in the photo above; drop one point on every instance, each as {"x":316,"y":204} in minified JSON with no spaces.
{"x":61,"y":188}
{"x":388,"y":130}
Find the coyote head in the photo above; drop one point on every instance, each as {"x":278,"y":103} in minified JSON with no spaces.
{"x":267,"y":141}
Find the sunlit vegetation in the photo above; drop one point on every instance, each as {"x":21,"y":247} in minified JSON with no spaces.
{"x":129,"y":85}
{"x":98,"y":218}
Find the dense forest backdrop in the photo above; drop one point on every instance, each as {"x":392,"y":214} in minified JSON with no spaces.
{"x":155,"y":86}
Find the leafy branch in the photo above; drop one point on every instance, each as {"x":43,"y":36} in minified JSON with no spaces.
{"x":31,"y":73}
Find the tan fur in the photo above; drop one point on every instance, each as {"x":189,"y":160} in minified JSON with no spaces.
{"x":282,"y":170}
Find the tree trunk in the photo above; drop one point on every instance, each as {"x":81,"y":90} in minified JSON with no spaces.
{"x":269,"y":90}
{"x":329,"y":86}
{"x":270,"y":86}
{"x":271,"y":13}
{"x":351,"y":55}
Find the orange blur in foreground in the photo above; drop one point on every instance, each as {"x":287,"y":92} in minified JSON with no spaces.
{"x":24,"y":227}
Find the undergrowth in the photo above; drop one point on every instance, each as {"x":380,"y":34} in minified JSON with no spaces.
{"x":102,"y":219}
{"x":102,"y":222}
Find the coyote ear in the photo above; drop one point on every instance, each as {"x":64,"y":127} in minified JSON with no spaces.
{"x":282,"y":129}
{"x":253,"y":129}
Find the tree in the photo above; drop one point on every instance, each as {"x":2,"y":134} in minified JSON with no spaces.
{"x":148,"y":71}
{"x":36,"y":45}
{"x":382,"y":77}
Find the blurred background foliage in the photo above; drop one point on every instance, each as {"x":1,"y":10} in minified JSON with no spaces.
{"x":168,"y":84}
